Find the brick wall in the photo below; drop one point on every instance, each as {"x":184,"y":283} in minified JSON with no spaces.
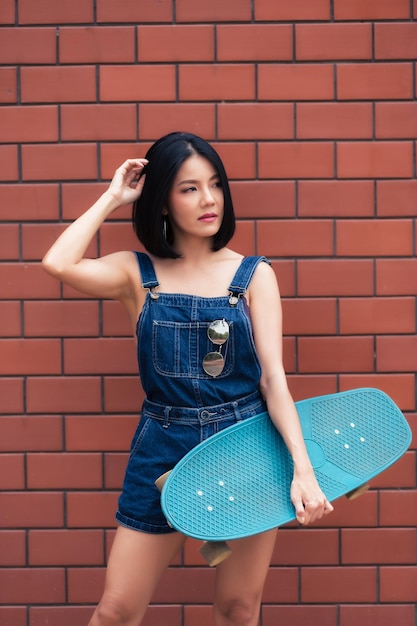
{"x":312,"y":105}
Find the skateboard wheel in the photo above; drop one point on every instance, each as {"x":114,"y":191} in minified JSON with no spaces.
{"x":160,"y":482}
{"x":214,"y":552}
{"x":355,"y":493}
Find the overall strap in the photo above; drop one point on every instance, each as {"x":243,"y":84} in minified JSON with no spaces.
{"x":147,"y":271}
{"x":243,"y":276}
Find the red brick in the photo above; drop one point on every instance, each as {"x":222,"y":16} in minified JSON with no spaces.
{"x":396,"y":198}
{"x":9,"y":242}
{"x":396,"y":41}
{"x":12,"y":472}
{"x":11,"y":395}
{"x":62,"y":615}
{"x":29,"y":202}
{"x":99,"y":356}
{"x":333,"y":41}
{"x":7,"y":12}
{"x":255,"y":121}
{"x":156,"y":120}
{"x":12,"y":549}
{"x":396,"y":277}
{"x":115,"y":237}
{"x":77,"y":197}
{"x":378,"y":545}
{"x":304,"y":546}
{"x":63,"y":395}
{"x":122,"y":394}
{"x":59,"y":161}
{"x":333,"y":277}
{"x":8,"y":159}
{"x":27,"y":124}
{"x":374,"y":81}
{"x":254,"y":42}
{"x":334,"y":121}
{"x":244,"y":238}
{"x":85,"y":584}
{"x":137,"y":83}
{"x":98,"y":122}
{"x":338,"y":198}
{"x":45,"y":12}
{"x":263,"y":198}
{"x":65,"y":547}
{"x":58,"y":84}
{"x":331,"y":584}
{"x":295,"y":82}
{"x":116,"y":322}
{"x":398,"y":508}
{"x":299,"y":615}
{"x":32,"y":586}
{"x":280,"y":10}
{"x":239,"y":159}
{"x":400,"y":387}
{"x":377,"y":315}
{"x":335,"y":354}
{"x":381,"y":159}
{"x":64,"y":471}
{"x":93,"y":44}
{"x":26,"y":280}
{"x":400,"y":475}
{"x":114,"y":470}
{"x":397,"y":120}
{"x":295,"y":237}
{"x":175,"y":43}
{"x":371,"y":10}
{"x":378,"y":615}
{"x":31,"y":509}
{"x":296,"y":160}
{"x":113,"y":154}
{"x":396,"y":353}
{"x":215,"y":11}
{"x":8,"y":85}
{"x":309,"y":316}
{"x":61,"y":319}
{"x":22,"y":433}
{"x":38,"y":238}
{"x":217,"y":82}
{"x":91,"y":509}
{"x":285,"y":272}
{"x":100,"y":433}
{"x":398,"y":584}
{"x":302,"y":387}
{"x":30,"y":356}
{"x":362,"y":512}
{"x":27,"y":45}
{"x":136,"y":11}
{"x":374,"y":238}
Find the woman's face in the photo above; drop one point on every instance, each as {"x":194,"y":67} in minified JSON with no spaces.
{"x":195,"y":203}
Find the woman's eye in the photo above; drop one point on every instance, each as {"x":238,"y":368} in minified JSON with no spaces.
{"x":188,"y":189}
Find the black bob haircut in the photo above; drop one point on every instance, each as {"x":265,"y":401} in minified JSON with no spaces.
{"x":165,"y":158}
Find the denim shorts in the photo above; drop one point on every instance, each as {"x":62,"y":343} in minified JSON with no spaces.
{"x":164,"y":435}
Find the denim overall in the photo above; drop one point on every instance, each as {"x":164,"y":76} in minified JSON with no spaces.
{"x":184,"y":405}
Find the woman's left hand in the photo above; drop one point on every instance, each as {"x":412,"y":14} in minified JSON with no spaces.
{"x":309,"y":501}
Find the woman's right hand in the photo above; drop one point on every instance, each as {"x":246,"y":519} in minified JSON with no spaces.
{"x":127,"y":183}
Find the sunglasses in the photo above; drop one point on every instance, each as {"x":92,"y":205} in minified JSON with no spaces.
{"x":218,"y":333}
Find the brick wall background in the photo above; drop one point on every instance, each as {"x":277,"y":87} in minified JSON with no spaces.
{"x":312,"y":105}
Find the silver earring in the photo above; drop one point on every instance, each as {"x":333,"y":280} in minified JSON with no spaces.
{"x":164,"y":228}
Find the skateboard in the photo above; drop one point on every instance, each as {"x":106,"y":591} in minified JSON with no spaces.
{"x":237,"y":482}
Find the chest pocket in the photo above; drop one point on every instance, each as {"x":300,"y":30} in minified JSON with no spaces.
{"x":178,"y":349}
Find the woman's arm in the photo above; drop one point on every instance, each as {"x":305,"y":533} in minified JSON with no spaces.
{"x":265,"y":305}
{"x":104,"y":277}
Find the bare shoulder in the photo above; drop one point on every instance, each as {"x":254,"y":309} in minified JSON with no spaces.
{"x":264,"y":283}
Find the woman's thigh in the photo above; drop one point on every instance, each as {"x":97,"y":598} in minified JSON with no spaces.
{"x":241,"y":577}
{"x":136,"y":563}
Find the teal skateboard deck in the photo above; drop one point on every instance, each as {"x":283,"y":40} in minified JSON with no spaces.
{"x":237,"y":482}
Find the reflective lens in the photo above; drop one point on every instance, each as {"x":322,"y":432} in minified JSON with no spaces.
{"x":218,"y":333}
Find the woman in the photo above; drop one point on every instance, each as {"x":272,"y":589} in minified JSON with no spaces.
{"x":187,"y":289}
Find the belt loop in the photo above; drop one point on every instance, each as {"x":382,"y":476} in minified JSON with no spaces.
{"x":238,"y":416}
{"x":167,"y":411}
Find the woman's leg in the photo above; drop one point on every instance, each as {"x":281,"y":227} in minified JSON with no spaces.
{"x":137,"y":561}
{"x":240,"y":580}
